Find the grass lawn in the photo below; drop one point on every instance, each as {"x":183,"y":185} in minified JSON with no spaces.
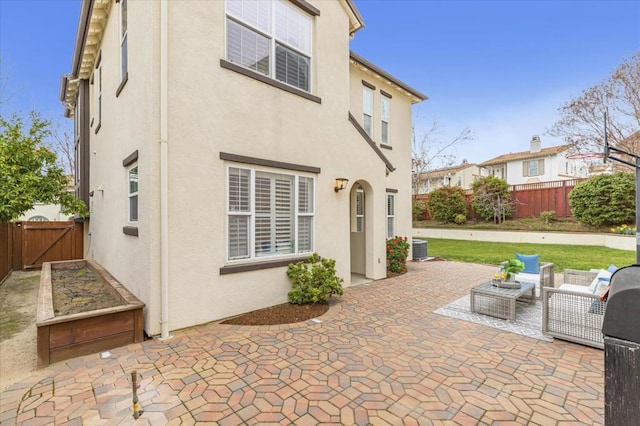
{"x":564,"y":256}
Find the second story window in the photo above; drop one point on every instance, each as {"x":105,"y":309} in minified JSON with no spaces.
{"x":98,"y":92}
{"x":123,"y":39}
{"x":384,"y":137}
{"x":367,"y":110}
{"x":533,"y":168}
{"x":272,"y":38}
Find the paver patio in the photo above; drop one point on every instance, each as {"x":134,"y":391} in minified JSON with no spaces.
{"x":379,"y":356}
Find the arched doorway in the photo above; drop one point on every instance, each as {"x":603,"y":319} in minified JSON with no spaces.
{"x":359,"y":213}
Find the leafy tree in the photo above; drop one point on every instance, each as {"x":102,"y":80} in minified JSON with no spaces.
{"x":28,"y":170}
{"x":446,"y":203}
{"x":604,"y":199}
{"x":491,"y":198}
{"x":582,"y":118}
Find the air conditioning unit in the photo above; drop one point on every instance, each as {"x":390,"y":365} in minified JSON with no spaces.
{"x":419,"y":249}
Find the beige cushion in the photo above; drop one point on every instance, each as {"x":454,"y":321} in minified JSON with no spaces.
{"x":575,"y":287}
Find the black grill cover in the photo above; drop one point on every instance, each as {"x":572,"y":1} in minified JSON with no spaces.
{"x":622,"y":316}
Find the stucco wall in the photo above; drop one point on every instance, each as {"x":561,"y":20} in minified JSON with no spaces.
{"x":129,"y":122}
{"x":212,"y":110}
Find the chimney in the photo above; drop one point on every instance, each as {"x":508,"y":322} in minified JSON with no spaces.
{"x":535,"y":143}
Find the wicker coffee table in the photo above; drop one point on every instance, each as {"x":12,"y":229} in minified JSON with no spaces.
{"x":500,"y":302}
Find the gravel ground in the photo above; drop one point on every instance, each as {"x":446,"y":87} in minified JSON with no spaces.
{"x":18,"y":301}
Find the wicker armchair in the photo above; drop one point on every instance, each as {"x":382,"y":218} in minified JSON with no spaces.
{"x":571,"y":312}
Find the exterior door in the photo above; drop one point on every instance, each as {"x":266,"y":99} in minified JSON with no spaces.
{"x":358,"y":222}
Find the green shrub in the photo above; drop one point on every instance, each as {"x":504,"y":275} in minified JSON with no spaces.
{"x":397,"y":253}
{"x":460,"y":219}
{"x":446,"y":203}
{"x":491,"y":198}
{"x":418,"y":208}
{"x":548,"y":216}
{"x":313,"y":282}
{"x":604,"y":200}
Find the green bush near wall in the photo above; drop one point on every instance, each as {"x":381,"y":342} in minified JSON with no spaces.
{"x":605,"y":200}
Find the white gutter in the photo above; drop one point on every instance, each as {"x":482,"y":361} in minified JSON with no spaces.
{"x":164,"y":176}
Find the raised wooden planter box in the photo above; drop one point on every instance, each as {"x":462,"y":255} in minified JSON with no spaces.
{"x":68,"y":336}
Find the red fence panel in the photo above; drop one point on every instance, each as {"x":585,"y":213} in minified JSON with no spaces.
{"x":529,"y":200}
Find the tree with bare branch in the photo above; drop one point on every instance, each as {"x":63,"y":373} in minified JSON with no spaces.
{"x":581,"y":120}
{"x":61,"y":141}
{"x":428,"y":151}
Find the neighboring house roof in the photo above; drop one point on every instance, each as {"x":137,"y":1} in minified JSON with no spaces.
{"x":525,"y":155}
{"x":393,"y":81}
{"x":92,"y":21}
{"x":439,"y":173}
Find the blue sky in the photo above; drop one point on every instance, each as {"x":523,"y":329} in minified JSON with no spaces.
{"x":501,"y":68}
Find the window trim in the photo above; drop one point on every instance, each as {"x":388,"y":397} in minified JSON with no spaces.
{"x":360,"y":225}
{"x":98,"y":90}
{"x":392,"y":215}
{"x":133,"y":165}
{"x":124,"y":41}
{"x":251,"y":214}
{"x":268,"y":80}
{"x":384,"y":99}
{"x":526,"y":167}
{"x":368,"y":103}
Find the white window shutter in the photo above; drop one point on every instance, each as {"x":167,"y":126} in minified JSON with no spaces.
{"x":238,"y":237}
{"x":284,"y":215}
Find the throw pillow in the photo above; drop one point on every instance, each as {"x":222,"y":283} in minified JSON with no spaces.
{"x":594,"y":284}
{"x":601,"y":287}
{"x":531,"y":262}
{"x":604,"y":275}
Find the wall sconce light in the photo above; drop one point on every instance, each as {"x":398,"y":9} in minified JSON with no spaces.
{"x":339,"y":184}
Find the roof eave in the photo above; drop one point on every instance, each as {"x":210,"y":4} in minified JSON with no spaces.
{"x":415,"y":94}
{"x":355,"y":18}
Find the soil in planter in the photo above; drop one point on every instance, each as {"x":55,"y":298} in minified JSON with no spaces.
{"x":287,"y":313}
{"x":80,"y":290}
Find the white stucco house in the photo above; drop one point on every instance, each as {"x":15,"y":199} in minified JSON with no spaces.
{"x":42,"y":212}
{"x":213,"y":140}
{"x":533,"y":166}
{"x":462,"y":175}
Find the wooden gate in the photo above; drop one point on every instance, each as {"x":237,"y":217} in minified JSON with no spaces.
{"x":49,"y":242}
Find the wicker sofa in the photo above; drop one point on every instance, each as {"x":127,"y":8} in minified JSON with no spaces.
{"x":572,"y":312}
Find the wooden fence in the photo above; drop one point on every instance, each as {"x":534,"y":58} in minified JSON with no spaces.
{"x":6,"y":250}
{"x":529,"y":200}
{"x":26,"y":245}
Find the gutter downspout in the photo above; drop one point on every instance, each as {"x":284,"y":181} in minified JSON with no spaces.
{"x":164,"y":177}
